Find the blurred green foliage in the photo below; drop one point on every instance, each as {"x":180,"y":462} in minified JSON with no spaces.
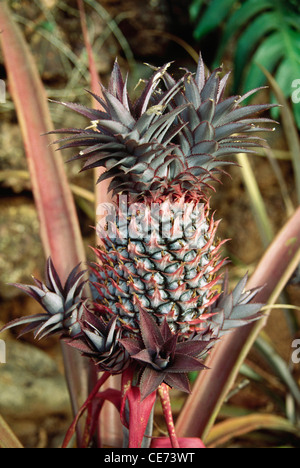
{"x":265,"y":32}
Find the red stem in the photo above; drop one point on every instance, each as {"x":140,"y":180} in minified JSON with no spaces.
{"x":163,"y":392}
{"x":83,"y":408}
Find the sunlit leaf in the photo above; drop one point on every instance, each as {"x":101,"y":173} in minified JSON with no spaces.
{"x":7,"y":437}
{"x":236,"y":427}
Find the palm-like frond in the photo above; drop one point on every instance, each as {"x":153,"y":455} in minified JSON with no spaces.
{"x":266,"y":32}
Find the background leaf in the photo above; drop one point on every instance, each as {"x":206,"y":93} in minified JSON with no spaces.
{"x":7,"y":437}
{"x":235,"y":427}
{"x":210,"y":20}
{"x":256,"y":30}
{"x":263,"y":33}
{"x":59,"y":226}
{"x":238,"y":19}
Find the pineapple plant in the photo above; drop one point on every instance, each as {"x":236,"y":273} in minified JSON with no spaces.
{"x":160,"y":301}
{"x":159,"y":252}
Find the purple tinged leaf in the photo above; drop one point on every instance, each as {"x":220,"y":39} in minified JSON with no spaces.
{"x":145,"y":356}
{"x":150,"y":381}
{"x":242,"y":112}
{"x":211,"y":87}
{"x":100,"y":100}
{"x":111,"y":333}
{"x":167,"y":118}
{"x":222,"y":87}
{"x":77,"y":343}
{"x":132,"y":346}
{"x":116,"y":83}
{"x":227,"y":307}
{"x":208,"y":147}
{"x":185,"y":363}
{"x":115,"y":127}
{"x":125,"y":98}
{"x":193,"y":347}
{"x":178,"y":381}
{"x":54,"y":320}
{"x":73,"y":279}
{"x":67,"y":131}
{"x":250,"y":93}
{"x":248,"y":295}
{"x":82,"y":140}
{"x":198,"y":160}
{"x":151,"y":334}
{"x":75,"y":291}
{"x":166,"y":331}
{"x":200,"y":74}
{"x":245,"y":311}
{"x":29,"y":328}
{"x":222,"y":110}
{"x":143,"y":102}
{"x":91,"y":114}
{"x":204,"y":131}
{"x":228,"y":129}
{"x":230,"y":324}
{"x":172,"y":93}
{"x":52,"y":278}
{"x":23,"y":321}
{"x":30,"y":290}
{"x":97,"y":340}
{"x":207,"y":110}
{"x":239,"y":289}
{"x":169,"y":81}
{"x":52,"y":303}
{"x":117,"y":110}
{"x":171,"y":134}
{"x":231,"y":150}
{"x":191,"y":91}
{"x":169,"y":346}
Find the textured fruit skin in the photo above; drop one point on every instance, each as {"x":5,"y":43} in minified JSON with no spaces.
{"x":162,"y":258}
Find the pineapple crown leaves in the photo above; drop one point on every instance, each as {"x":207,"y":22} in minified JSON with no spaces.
{"x":167,"y":140}
{"x":161,"y":358}
{"x":63,"y":305}
{"x":235,"y":309}
{"x":131,"y":141}
{"x":214,"y":127}
{"x":99,"y":340}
